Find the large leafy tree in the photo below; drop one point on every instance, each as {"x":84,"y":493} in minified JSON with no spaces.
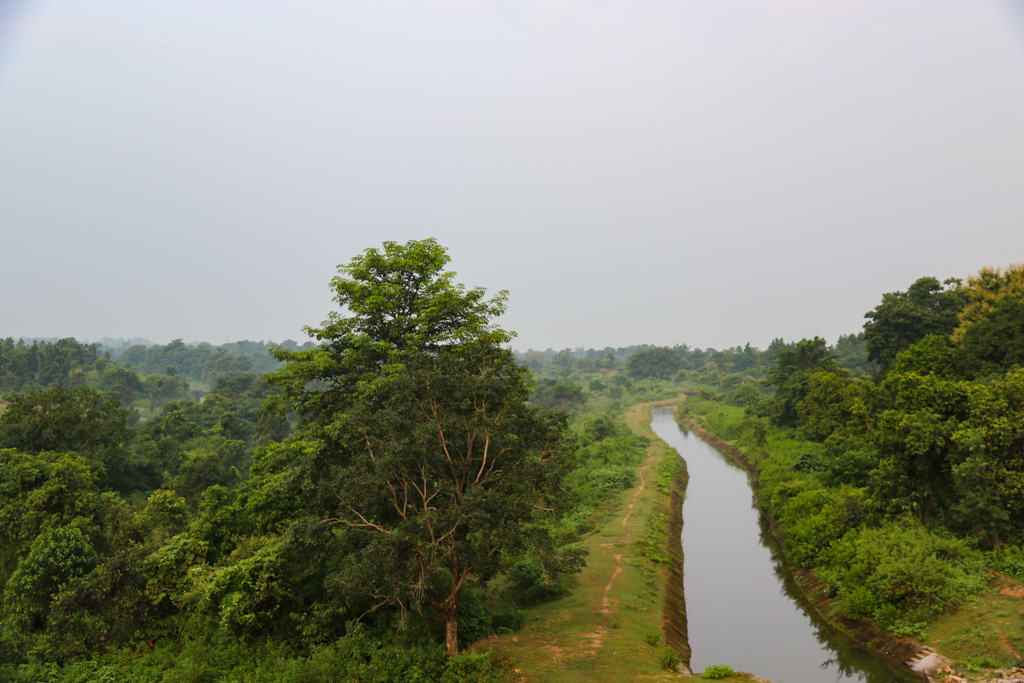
{"x":421,"y":451}
{"x":984,"y":291}
{"x":905,"y":318}
{"x":448,"y":471}
{"x":995,"y":342}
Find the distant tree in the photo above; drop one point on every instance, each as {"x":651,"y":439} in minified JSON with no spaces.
{"x":606,"y":361}
{"x":852,"y":353}
{"x":933,"y":355}
{"x":660,"y":362}
{"x":60,"y":419}
{"x":791,"y":373}
{"x":563,"y":363}
{"x":557,"y":394}
{"x":905,"y":318}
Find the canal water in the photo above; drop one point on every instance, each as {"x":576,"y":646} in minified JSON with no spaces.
{"x":742,"y":606}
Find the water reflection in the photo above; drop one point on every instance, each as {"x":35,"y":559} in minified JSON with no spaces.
{"x":743,"y":606}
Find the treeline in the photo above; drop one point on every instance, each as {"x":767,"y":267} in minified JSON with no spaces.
{"x":566,"y":378}
{"x":901,"y":488}
{"x":139,"y":377}
{"x":24,"y":367}
{"x":204,"y":362}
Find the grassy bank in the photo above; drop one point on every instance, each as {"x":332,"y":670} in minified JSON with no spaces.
{"x":610,"y":628}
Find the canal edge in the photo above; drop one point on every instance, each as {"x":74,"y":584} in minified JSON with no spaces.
{"x":908,"y":654}
{"x":674,"y":624}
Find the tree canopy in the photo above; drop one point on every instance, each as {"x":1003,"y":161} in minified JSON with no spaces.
{"x":660,"y":362}
{"x":394,"y":300}
{"x":984,"y":291}
{"x":791,"y":372}
{"x":905,"y":318}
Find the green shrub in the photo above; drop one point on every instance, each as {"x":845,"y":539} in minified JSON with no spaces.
{"x":669,"y":658}
{"x":471,"y":668}
{"x":717,"y":671}
{"x":911,"y":572}
{"x":613,"y":478}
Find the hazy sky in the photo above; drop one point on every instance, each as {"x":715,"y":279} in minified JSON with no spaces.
{"x":713,"y":172}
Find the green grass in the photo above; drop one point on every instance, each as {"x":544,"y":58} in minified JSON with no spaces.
{"x":986,"y":633}
{"x":572,"y":639}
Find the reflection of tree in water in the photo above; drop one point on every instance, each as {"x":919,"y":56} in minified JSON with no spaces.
{"x":849,"y":659}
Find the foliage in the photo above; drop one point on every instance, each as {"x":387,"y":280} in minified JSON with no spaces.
{"x":902,"y":568}
{"x":791,"y":372}
{"x":905,"y":318}
{"x":63,"y":420}
{"x":660,"y":362}
{"x":991,"y":344}
{"x":471,"y":668}
{"x":717,"y":671}
{"x":669,"y":658}
{"x":983,"y":292}
{"x":24,"y":367}
{"x":560,"y":395}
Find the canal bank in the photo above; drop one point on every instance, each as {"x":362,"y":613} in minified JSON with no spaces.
{"x":624,"y":617}
{"x":852,"y":650}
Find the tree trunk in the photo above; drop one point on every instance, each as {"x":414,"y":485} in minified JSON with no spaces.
{"x":451,"y":632}
{"x":450,"y":607}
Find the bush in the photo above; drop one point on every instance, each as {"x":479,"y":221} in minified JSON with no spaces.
{"x":613,"y":478}
{"x":717,"y":671}
{"x":916,"y":571}
{"x":529,"y":584}
{"x":471,"y":668}
{"x":669,"y":658}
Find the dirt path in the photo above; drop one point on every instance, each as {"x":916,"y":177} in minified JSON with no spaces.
{"x":606,"y":599}
{"x":600,"y":633}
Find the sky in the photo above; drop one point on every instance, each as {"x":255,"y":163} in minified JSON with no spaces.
{"x":708,"y":172}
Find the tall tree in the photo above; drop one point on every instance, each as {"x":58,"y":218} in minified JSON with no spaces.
{"x":448,"y":471}
{"x":421,"y":446}
{"x":984,"y":291}
{"x":905,"y":318}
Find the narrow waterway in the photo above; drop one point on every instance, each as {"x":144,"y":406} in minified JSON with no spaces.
{"x":742,"y":606}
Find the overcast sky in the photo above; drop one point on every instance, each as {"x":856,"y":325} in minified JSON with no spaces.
{"x":710,"y":172}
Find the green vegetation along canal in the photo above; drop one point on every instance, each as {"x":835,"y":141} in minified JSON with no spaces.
{"x":743,"y":608}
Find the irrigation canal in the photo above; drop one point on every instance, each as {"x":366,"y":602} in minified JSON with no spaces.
{"x":743,"y":608}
